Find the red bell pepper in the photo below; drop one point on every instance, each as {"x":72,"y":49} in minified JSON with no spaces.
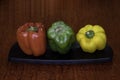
{"x":31,"y":38}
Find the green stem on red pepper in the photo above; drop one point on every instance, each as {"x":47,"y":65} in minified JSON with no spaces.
{"x":34,"y":29}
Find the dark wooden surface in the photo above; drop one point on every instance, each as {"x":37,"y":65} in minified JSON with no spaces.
{"x":76,"y":13}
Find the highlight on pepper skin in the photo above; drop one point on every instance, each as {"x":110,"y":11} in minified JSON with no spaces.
{"x":31,"y":38}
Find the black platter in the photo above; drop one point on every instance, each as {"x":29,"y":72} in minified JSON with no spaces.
{"x":74,"y":56}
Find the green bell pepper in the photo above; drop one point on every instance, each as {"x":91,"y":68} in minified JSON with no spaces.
{"x":60,"y":37}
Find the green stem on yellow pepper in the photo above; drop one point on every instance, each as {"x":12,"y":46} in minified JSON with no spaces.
{"x":90,"y":34}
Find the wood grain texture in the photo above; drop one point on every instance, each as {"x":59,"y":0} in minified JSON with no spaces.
{"x":76,"y":13}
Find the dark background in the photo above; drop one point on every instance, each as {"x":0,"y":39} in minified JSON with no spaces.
{"x":76,"y":13}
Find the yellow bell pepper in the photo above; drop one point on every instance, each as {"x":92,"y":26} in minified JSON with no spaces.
{"x":91,"y":38}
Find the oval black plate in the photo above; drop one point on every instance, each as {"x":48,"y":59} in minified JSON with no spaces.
{"x":74,"y":56}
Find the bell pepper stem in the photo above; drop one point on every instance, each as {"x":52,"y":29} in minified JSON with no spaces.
{"x":58,"y":29}
{"x":90,"y":34}
{"x":31,"y":28}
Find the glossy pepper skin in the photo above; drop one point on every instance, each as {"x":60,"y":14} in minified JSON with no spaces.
{"x":91,"y":38}
{"x":31,"y":38}
{"x":60,"y":37}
